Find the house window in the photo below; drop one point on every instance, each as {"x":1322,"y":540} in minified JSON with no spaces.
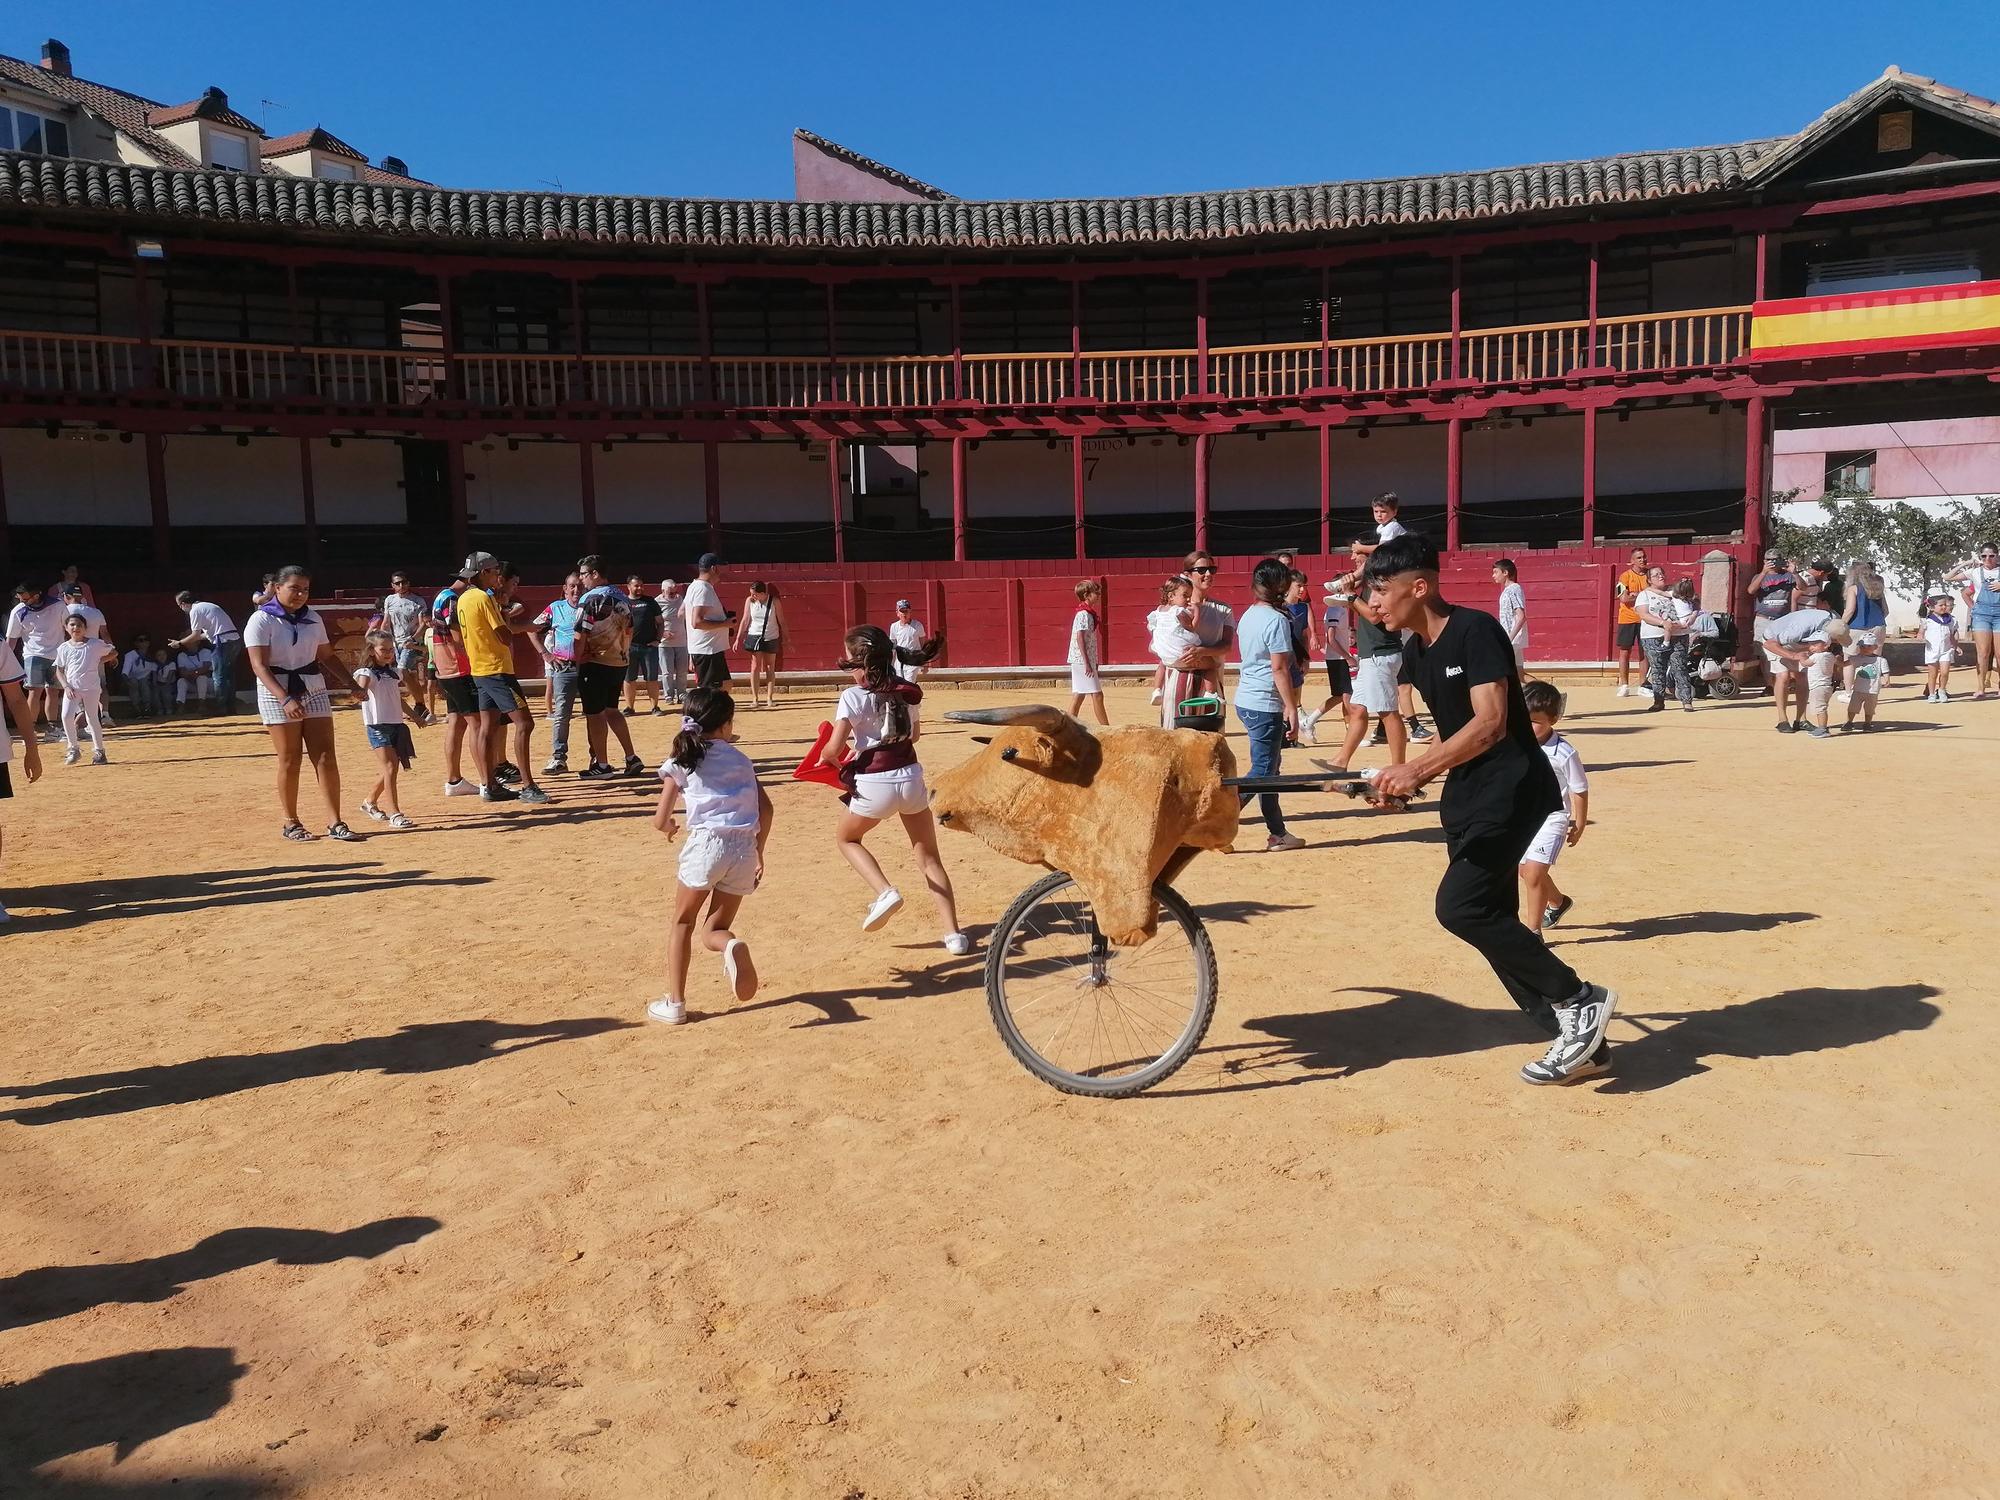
{"x":336,"y":171}
{"x":1851,"y":473}
{"x":229,"y":152}
{"x":38,"y":135}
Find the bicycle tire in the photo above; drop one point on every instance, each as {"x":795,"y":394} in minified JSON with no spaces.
{"x":1123,"y":1085}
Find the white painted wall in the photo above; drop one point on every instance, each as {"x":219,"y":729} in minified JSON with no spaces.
{"x":1407,"y":458}
{"x":360,"y":483}
{"x":1279,"y":473}
{"x":649,"y":484}
{"x":73,"y":479}
{"x":1670,"y":448}
{"x":1155,"y":476}
{"x":538,"y":484}
{"x":214,"y":481}
{"x":1013,"y":477}
{"x":766,"y":482}
{"x":1505,"y":459}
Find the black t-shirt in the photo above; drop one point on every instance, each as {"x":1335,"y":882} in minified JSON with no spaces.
{"x":1510,"y":782}
{"x":1371,"y":639}
{"x":645,"y":622}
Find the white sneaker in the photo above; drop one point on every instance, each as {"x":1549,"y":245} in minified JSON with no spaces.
{"x":667,"y":1012}
{"x":1156,"y":696}
{"x":1624,"y":691}
{"x":885,"y":906}
{"x":72,"y":756}
{"x":957,"y":944}
{"x":1306,"y":723}
{"x":460,"y":788}
{"x":740,"y":971}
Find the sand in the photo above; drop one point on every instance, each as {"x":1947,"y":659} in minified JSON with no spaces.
{"x":354,"y":1170}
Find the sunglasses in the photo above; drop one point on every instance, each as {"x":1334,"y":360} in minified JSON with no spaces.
{"x":1201,"y":570}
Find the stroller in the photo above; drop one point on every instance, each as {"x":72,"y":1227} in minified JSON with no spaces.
{"x":1712,"y":650}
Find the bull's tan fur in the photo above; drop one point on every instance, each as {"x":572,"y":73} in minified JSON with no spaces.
{"x":1110,"y":808}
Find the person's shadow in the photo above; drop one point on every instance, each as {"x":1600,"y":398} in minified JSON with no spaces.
{"x":205,"y":890}
{"x":125,"y":1400}
{"x":427,"y":1047}
{"x":51,"y":1292}
{"x":1685,"y":924}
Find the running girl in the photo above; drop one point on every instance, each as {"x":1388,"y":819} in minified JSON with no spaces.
{"x":1546,"y":905}
{"x":728,"y":822}
{"x":877,"y":720}
{"x":1086,"y":651}
{"x":378,"y":683}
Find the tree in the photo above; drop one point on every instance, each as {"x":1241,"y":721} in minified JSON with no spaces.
{"x":1913,"y":547}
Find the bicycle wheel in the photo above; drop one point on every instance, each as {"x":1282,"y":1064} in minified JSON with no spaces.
{"x":1089,"y":1018}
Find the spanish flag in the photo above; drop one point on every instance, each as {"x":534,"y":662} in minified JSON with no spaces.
{"x":1921,"y":317}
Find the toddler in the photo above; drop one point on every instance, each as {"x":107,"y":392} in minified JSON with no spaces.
{"x":1172,"y":629}
{"x":1940,"y":648}
{"x":1546,"y":904}
{"x":379,"y":686}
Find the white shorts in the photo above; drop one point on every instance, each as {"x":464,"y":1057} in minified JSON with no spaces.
{"x":890,"y":794}
{"x":720,"y":859}
{"x":272,"y":710}
{"x":1936,"y":656}
{"x":1549,"y":841}
{"x":1375,"y":683}
{"x":1083,"y":680}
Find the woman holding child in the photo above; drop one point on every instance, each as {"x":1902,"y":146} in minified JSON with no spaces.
{"x":1198,"y":671}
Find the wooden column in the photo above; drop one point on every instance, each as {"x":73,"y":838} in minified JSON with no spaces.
{"x":1756,"y":442}
{"x":1763,"y":265}
{"x":957,"y":346}
{"x":142,"y":305}
{"x":1201,"y":335}
{"x":1325,"y":491}
{"x":309,"y":506}
{"x":580,"y":372}
{"x":297,"y":364}
{"x":454,"y":480}
{"x":711,"y":493}
{"x":1457,"y":344}
{"x":1325,"y":325}
{"x":1454,"y":467}
{"x":704,"y":343}
{"x":1076,"y":337}
{"x":1201,"y":492}
{"x":958,"y":513}
{"x":454,"y":377}
{"x":1590,"y":346}
{"x":156,"y":490}
{"x":586,"y":473}
{"x":834,"y":498}
{"x":1590,"y":476}
{"x":1076,"y":495}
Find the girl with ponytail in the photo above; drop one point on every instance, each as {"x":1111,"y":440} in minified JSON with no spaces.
{"x":877,"y":720}
{"x":728,"y":822}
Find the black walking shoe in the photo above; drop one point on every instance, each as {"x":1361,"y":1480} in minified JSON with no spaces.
{"x":1551,"y":915}
{"x":507,"y":772}
{"x":1420,"y":732}
{"x":634,"y":766}
{"x":595,"y":771}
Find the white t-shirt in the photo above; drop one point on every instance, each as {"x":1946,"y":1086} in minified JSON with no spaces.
{"x":292,"y":647}
{"x":406,"y":615}
{"x":201,"y":662}
{"x":721,"y":792}
{"x":1083,"y":647}
{"x":673,"y":621}
{"x":211,"y":621}
{"x":867,"y":716}
{"x":383,"y":703}
{"x":1563,"y":760}
{"x":1514,"y":614}
{"x":1388,"y":531}
{"x":38,"y":629}
{"x":910,"y":636}
{"x":1338,"y":617}
{"x":136,"y":668}
{"x":1940,"y":637}
{"x":10,"y":666}
{"x":91,"y":613}
{"x":78,"y":662}
{"x":1654,"y":602}
{"x":1171,"y":639}
{"x":704,"y":639}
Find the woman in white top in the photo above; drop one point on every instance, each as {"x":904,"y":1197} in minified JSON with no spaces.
{"x":1982,"y":580}
{"x":292,"y":661}
{"x":1663,"y":636}
{"x":761,"y":632}
{"x":1199,"y":671}
{"x":877,"y":720}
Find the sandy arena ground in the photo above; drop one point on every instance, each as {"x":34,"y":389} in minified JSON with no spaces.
{"x":354,"y":1171}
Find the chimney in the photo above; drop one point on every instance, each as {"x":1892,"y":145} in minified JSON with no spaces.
{"x":395,"y":164}
{"x":213,"y":98}
{"x":55,"y":57}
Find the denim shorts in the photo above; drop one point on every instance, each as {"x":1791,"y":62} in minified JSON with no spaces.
{"x":409,"y":658}
{"x":393,"y":737}
{"x":41,"y":671}
{"x":500,"y":695}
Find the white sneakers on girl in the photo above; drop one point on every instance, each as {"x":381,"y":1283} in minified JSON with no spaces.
{"x":957,"y":944}
{"x":668,"y":1012}
{"x":740,"y":971}
{"x":886,"y":906}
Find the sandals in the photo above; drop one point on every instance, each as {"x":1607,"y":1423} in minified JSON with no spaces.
{"x":401,"y":820}
{"x":296,"y":832}
{"x":342,"y":832}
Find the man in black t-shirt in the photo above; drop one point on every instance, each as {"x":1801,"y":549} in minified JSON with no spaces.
{"x":643,"y":665}
{"x":1497,"y":793}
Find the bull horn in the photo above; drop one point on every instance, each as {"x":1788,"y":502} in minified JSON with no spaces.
{"x":1035,"y":715}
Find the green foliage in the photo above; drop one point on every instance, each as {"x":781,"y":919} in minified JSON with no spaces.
{"x":1912,"y":547}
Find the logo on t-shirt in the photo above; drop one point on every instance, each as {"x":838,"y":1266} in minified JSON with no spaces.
{"x":1454,"y":671}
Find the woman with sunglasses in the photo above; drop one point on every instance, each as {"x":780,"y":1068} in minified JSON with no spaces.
{"x":1983,"y":579}
{"x":1199,"y":670}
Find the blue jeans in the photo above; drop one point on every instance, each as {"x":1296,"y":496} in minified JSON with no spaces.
{"x":562,"y":693}
{"x":1267,"y":742}
{"x":226,"y":653}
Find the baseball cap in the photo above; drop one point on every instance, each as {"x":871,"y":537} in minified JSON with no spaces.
{"x":709,"y":560}
{"x":478,"y":563}
{"x":72,"y":590}
{"x":902,"y":604}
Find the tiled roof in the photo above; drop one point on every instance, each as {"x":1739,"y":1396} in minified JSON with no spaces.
{"x":1893,"y":86}
{"x":126,"y":112}
{"x":211,"y":106}
{"x":872,"y":167}
{"x":316,"y":139}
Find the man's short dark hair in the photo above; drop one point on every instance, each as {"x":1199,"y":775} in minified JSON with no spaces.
{"x":1506,"y":565}
{"x":591,"y":564}
{"x":1411,"y":552}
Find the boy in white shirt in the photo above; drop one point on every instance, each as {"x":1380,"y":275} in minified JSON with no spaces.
{"x":1547,"y":905}
{"x":137,"y":670}
{"x":1513,"y":612}
{"x":80,"y":663}
{"x":1385,"y":508}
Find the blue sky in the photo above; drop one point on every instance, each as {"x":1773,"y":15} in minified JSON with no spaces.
{"x":1029,"y":100}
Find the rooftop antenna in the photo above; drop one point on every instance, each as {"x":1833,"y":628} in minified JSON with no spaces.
{"x":265,"y":119}
{"x":554,"y":182}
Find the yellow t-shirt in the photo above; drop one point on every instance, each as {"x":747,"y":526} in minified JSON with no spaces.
{"x":1633,"y":583}
{"x":485,"y":636}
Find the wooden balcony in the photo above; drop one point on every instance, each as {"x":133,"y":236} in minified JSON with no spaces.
{"x":1516,"y":357}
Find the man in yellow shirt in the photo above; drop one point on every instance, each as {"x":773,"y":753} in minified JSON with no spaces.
{"x":487,"y":636}
{"x":1631,"y":584}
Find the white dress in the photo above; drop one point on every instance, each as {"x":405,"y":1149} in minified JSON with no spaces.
{"x":1086,"y":654}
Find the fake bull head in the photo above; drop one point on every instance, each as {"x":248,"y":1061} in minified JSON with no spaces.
{"x":1110,"y":809}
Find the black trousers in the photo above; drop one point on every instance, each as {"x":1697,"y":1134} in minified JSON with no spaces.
{"x":1479,"y":902}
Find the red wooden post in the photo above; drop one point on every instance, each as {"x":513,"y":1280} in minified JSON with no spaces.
{"x":711,"y":493}
{"x":1757,"y":283}
{"x":580,"y":390}
{"x":1017,"y":650}
{"x":1325,"y":490}
{"x":834,"y":499}
{"x":1201,"y":335}
{"x":296,"y":362}
{"x":156,"y":491}
{"x":1454,"y":465}
{"x":832,"y":388}
{"x":454,"y":377}
{"x":1076,"y":494}
{"x":1755,"y":456}
{"x":1457,"y":345}
{"x":308,"y":505}
{"x":1590,"y":349}
{"x":587,"y":488}
{"x":958,"y":516}
{"x":1325,"y":325}
{"x":1201,"y":492}
{"x":454,"y":478}
{"x":142,"y":304}
{"x":1589,"y":477}
{"x":1075,"y":336}
{"x":850,"y":606}
{"x":704,"y":343}
{"x":957,"y":347}
{"x":934,"y":595}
